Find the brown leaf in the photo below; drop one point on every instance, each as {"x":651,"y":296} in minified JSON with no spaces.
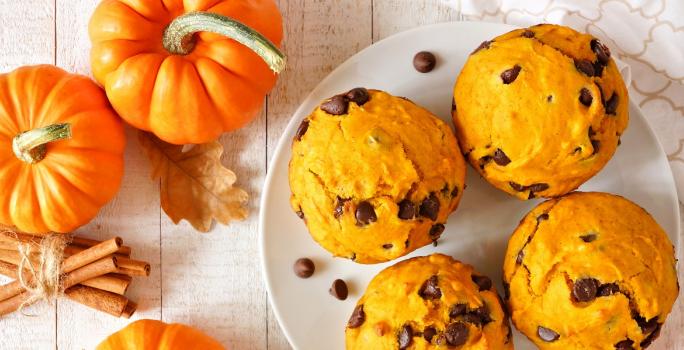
{"x":194,"y":184}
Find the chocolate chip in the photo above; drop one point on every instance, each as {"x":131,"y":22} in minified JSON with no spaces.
{"x":591,"y":132}
{"x":304,"y":267}
{"x":538,"y":187}
{"x":337,"y":105}
{"x":456,"y":333}
{"x":365,"y":214}
{"x":646,"y":326}
{"x":357,"y":317}
{"x":339,"y":289}
{"x":612,"y":104}
{"x":598,"y":68}
{"x":339,"y":207}
{"x":424,"y":61}
{"x":520,"y":257}
{"x":483,"y":161}
{"x":430,"y":207}
{"x":358,"y":95}
{"x":516,"y":186}
{"x":483,"y":282}
{"x":651,"y":337}
{"x":353,"y":257}
{"x":483,"y":45}
{"x":508,"y":76}
{"x":585,"y":289}
{"x":602,"y":52}
{"x":454,"y":192}
{"x":585,"y":67}
{"x":405,"y":337}
{"x":436,"y":230}
{"x":406,"y":243}
{"x":429,"y":333}
{"x":585,"y":97}
{"x":300,"y":214}
{"x":595,"y":144}
{"x":430,"y":289}
{"x":607,"y":289}
{"x":500,"y":157}
{"x":588,"y":238}
{"x":528,"y":33}
{"x":547,"y":335}
{"x":549,"y":98}
{"x":507,"y":291}
{"x":626,"y":344}
{"x":388,"y":246}
{"x":542,"y":217}
{"x":303,"y":127}
{"x":458,"y":310}
{"x":453,"y":104}
{"x":479,"y":316}
{"x":407,"y":210}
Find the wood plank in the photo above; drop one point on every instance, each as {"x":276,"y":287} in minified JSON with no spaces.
{"x":394,"y":16}
{"x":213,"y":281}
{"x":133,"y":214}
{"x":27,"y":37}
{"x":319,"y":35}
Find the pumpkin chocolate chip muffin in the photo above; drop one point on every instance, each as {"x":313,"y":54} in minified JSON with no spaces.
{"x":590,"y":271}
{"x":430,"y":302}
{"x":374,"y":176}
{"x":539,"y":111}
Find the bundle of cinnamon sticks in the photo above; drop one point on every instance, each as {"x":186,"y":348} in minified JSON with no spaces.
{"x":93,"y":273}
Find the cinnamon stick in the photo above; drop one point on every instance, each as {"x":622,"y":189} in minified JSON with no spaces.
{"x":74,"y":249}
{"x":133,"y":267}
{"x":110,"y":282}
{"x":12,"y":304}
{"x":87,"y":243}
{"x":91,"y":254}
{"x":111,"y":303}
{"x":92,"y":270}
{"x":129,"y":310}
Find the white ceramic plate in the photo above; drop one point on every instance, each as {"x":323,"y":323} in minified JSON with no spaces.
{"x":476,"y":233}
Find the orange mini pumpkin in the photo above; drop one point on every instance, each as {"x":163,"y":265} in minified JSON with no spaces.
{"x":157,"y":335}
{"x":61,"y":149}
{"x":186,"y":70}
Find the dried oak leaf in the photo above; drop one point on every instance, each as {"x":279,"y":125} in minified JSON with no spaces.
{"x":194,"y":184}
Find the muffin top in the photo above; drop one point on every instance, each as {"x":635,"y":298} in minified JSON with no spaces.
{"x":590,"y":270}
{"x":539,"y":111}
{"x":431,"y":302}
{"x":374,"y":176}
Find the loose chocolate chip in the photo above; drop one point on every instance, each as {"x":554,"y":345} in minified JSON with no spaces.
{"x":520,"y":257}
{"x":339,"y":207}
{"x":304,"y":267}
{"x":585,"y":289}
{"x":538,"y":187}
{"x":483,"y":45}
{"x":358,"y":95}
{"x":508,"y":76}
{"x":602,"y":52}
{"x":588,"y":238}
{"x":357,"y":317}
{"x":365,"y":214}
{"x":458,"y":310}
{"x":337,"y":105}
{"x":430,"y":207}
{"x":424,"y":61}
{"x":483,"y":282}
{"x":454,"y":192}
{"x":607,"y":289}
{"x":479,"y":316}
{"x":516,"y":186}
{"x":542,"y":217}
{"x":429,"y":333}
{"x":405,"y":337}
{"x":528,"y":33}
{"x":585,"y":67}
{"x":650,"y":338}
{"x":612,"y":104}
{"x":585,"y":97}
{"x":547,"y":335}
{"x":436,"y":230}
{"x":303,"y":127}
{"x":388,"y":246}
{"x":456,"y":333}
{"x":500,"y":157}
{"x":430,"y":289}
{"x":595,"y":144}
{"x":300,"y":213}
{"x":407,"y":210}
{"x":339,"y":289}
{"x":626,"y":344}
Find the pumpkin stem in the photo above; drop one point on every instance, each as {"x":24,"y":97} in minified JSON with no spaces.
{"x":179,"y":36}
{"x":31,"y":146}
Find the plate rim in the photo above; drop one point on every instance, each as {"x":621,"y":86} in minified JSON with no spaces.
{"x":292,"y":124}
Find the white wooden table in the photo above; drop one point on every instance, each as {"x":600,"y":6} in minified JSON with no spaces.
{"x":212,"y":281}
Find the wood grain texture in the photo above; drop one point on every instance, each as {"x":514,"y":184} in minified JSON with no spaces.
{"x":27,"y":37}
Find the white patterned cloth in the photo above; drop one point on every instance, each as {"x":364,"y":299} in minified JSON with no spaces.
{"x":647,"y":35}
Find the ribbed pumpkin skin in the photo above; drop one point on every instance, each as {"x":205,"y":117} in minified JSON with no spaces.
{"x":78,"y":176}
{"x":157,"y":335}
{"x":218,"y":87}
